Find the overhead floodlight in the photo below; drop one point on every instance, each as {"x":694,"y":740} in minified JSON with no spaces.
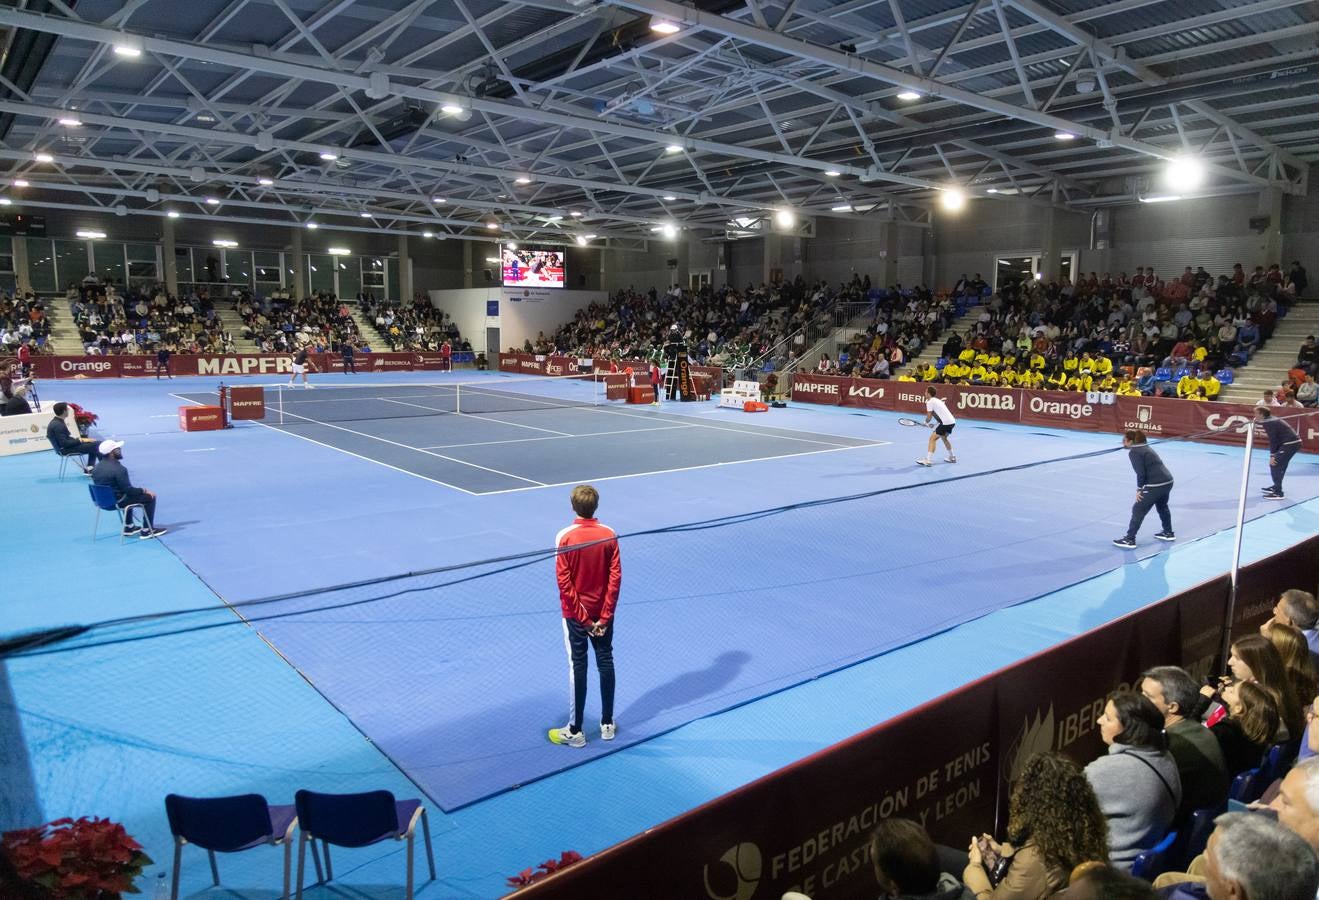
{"x":265,"y":181}
{"x":222,"y":242}
{"x":172,"y":214}
{"x":428,"y":234}
{"x":512,"y":245}
{"x":669,"y":198}
{"x":1063,"y":136}
{"x":492,"y":225}
{"x":364,"y":215}
{"x":1039,"y":276}
{"x":451,"y":109}
{"x":129,"y":46}
{"x":1159,"y":198}
{"x":329,"y":157}
{"x":1085,"y":81}
{"x":832,"y":173}
{"x":1184,"y":174}
{"x":952,"y":199}
{"x":205,"y":117}
{"x":673,"y":148}
{"x":440,"y":200}
{"x":847,"y":208}
{"x":313,"y":226}
{"x":522,"y":179}
{"x":575,"y":214}
{"x":581,"y":240}
{"x":991,"y":190}
{"x":661,"y":25}
{"x":20,"y":182}
{"x":212,"y":201}
{"x":42,"y":157}
{"x":91,"y":235}
{"x":670,"y":231}
{"x":5,"y":201}
{"x":339,"y":251}
{"x":785,"y":218}
{"x":554,"y":218}
{"x":909,"y":95}
{"x":70,"y":122}
{"x":590,"y":237}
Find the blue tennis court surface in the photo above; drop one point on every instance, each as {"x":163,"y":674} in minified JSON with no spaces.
{"x":455,"y":678}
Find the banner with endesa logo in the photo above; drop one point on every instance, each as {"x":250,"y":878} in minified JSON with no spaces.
{"x":1223,"y":423}
{"x":947,"y":765}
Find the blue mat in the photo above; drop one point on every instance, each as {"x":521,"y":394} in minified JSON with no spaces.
{"x":458,"y":684}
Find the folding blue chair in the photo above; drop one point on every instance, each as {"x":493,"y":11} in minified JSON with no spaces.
{"x":103,"y":497}
{"x":1197,"y":832}
{"x":940,"y":363}
{"x":1224,"y":376}
{"x":358,"y":820}
{"x":1161,"y":374}
{"x":1278,"y":759}
{"x":230,"y":825}
{"x":1150,"y":864}
{"x":1248,"y":786}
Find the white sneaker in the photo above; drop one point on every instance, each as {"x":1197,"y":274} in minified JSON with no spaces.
{"x":309,"y":386}
{"x":951,"y":459}
{"x":924,"y":462}
{"x":564,"y":737}
{"x":607,"y":732}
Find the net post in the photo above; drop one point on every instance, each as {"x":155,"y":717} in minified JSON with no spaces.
{"x":1235,"y":571}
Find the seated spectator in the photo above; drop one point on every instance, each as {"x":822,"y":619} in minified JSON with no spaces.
{"x":907,"y":864}
{"x":1136,"y":781}
{"x":1249,"y":727}
{"x":1307,"y":392}
{"x":1209,"y":386}
{"x":1252,"y":857}
{"x":1308,"y":356}
{"x":1054,"y":825}
{"x":1096,"y":881}
{"x":1254,"y":658}
{"x":65,"y":444}
{"x":1200,"y":762}
{"x":1291,"y":645}
{"x":1247,"y":338}
{"x":16,"y":405}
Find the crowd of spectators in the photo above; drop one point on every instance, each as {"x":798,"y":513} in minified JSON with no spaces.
{"x":113,"y":320}
{"x":321,"y":323}
{"x":1138,"y":335}
{"x":724,"y":326}
{"x":1173,"y":746}
{"x":418,"y":325}
{"x":23,"y":322}
{"x":902,"y":323}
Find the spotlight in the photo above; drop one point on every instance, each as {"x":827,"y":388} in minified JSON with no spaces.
{"x":512,"y":245}
{"x":364,"y":215}
{"x":669,"y":231}
{"x":1063,"y":136}
{"x":438,"y":200}
{"x":70,"y":122}
{"x":212,"y":201}
{"x":428,"y":234}
{"x":265,"y":182}
{"x":952,"y":199}
{"x":313,"y":226}
{"x":20,"y":182}
{"x":339,"y":251}
{"x":522,"y":179}
{"x":575,"y":214}
{"x":5,"y":201}
{"x":128,"y":46}
{"x":832,"y":173}
{"x":91,"y":235}
{"x":492,"y":225}
{"x":785,"y":218}
{"x":673,"y":148}
{"x":221,"y":242}
{"x":42,"y":157}
{"x":669,"y":198}
{"x":329,"y":157}
{"x":1184,"y":174}
{"x":908,"y":95}
{"x":173,"y":214}
{"x":661,"y":25}
{"x":451,"y":109}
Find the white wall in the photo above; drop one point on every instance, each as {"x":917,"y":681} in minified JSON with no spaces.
{"x":467,"y":306}
{"x":535,"y":310}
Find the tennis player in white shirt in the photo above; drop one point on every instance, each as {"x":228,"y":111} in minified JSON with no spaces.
{"x":937,"y":410}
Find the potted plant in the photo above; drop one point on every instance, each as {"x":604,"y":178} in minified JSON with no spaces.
{"x":530,"y":876}
{"x":70,"y":859}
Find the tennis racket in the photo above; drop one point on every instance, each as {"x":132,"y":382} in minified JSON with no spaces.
{"x":910,"y":422}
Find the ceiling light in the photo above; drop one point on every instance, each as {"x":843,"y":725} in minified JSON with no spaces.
{"x":581,"y":240}
{"x":451,"y":109}
{"x":339,"y":251}
{"x":70,"y":122}
{"x":590,"y":237}
{"x":5,"y":201}
{"x":840,"y":208}
{"x":313,"y":226}
{"x":522,"y":179}
{"x":575,"y":214}
{"x":492,"y":225}
{"x":212,"y":201}
{"x":952,"y":199}
{"x":265,"y":182}
{"x":512,"y":245}
{"x":222,"y":242}
{"x":128,"y":46}
{"x":428,"y":234}
{"x":91,"y":235}
{"x":43,"y":157}
{"x":661,"y":25}
{"x":669,"y":231}
{"x":832,"y":173}
{"x":364,"y":215}
{"x":991,"y":190}
{"x":204,"y":117}
{"x":172,"y":214}
{"x":1184,"y":174}
{"x":438,"y":200}
{"x":20,"y":182}
{"x":329,"y":157}
{"x":1064,"y":136}
{"x":785,"y":218}
{"x":670,"y":198}
{"x":1039,"y":276}
{"x":909,"y":95}
{"x":673,"y":148}
{"x":554,"y":218}
{"x":1159,"y":198}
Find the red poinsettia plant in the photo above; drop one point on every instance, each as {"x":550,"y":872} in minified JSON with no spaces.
{"x":544,"y":870}
{"x":70,"y":859}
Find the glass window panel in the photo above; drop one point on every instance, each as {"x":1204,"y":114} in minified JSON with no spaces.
{"x":9,"y":283}
{"x":142,"y":273}
{"x":70,"y":261}
{"x":207,"y":266}
{"x":41,"y":266}
{"x":267,"y":269}
{"x":238,"y":268}
{"x":350,"y":276}
{"x":183,"y":264}
{"x":320,"y":272}
{"x":373,"y":275}
{"x":109,"y":258}
{"x":391,"y":285}
{"x":141,"y":252}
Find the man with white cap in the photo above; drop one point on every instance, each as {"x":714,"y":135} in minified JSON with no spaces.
{"x":110,"y":472}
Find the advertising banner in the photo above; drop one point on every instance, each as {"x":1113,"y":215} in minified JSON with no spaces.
{"x":819,"y":389}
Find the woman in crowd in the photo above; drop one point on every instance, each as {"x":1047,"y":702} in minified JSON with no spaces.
{"x":1296,"y":661}
{"x":1249,"y":727}
{"x":1136,"y":781}
{"x":1054,"y":825}
{"x":1254,"y":658}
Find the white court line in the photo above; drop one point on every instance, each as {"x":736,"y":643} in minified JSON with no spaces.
{"x":731,"y":462}
{"x":168,"y":415}
{"x":761,"y":432}
{"x":526,"y":440}
{"x":303,"y":437}
{"x":473,"y":415}
{"x":200,"y":450}
{"x":414,"y":449}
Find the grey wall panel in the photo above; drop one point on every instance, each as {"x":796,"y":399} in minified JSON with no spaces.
{"x":910,"y":270}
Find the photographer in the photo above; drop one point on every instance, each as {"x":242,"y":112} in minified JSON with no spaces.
{"x":1054,"y":825}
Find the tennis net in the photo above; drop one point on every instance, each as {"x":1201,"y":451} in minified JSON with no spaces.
{"x":295,"y":404}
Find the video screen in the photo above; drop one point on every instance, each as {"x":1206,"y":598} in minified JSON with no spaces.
{"x":530,"y":267}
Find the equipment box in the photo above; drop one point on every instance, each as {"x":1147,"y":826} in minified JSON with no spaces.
{"x":201,"y":418}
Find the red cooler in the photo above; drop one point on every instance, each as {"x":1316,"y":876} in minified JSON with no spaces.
{"x":201,"y":418}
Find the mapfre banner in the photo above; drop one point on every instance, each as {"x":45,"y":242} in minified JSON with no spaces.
{"x":227,"y":365}
{"x":1224,"y":423}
